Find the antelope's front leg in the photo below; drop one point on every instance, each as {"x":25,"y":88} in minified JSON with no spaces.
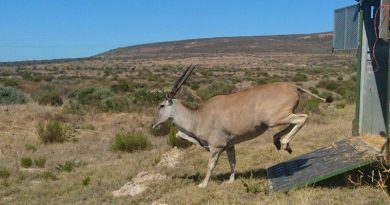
{"x":214,"y":156}
{"x":231,"y":153}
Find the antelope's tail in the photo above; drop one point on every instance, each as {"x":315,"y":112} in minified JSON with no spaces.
{"x":329,"y":99}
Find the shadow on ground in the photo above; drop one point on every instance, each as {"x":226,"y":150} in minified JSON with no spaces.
{"x":253,"y":173}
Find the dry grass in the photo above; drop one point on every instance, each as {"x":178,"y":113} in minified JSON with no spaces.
{"x":100,"y":171}
{"x":107,"y":171}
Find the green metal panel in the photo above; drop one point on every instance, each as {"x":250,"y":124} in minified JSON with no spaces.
{"x":373,"y":83}
{"x":355,"y":129}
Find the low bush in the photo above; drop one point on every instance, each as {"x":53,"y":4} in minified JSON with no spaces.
{"x":30,"y":147}
{"x":11,"y":96}
{"x":174,"y":141}
{"x":48,"y":96}
{"x":299,"y":77}
{"x":9,"y":82}
{"x":92,"y":95}
{"x":40,"y":162}
{"x":215,"y":88}
{"x":49,"y":175}
{"x":116,"y":104}
{"x":146,"y":97}
{"x":130,"y":142}
{"x":86,"y":181}
{"x":26,"y":162}
{"x":4,"y":173}
{"x":309,"y":105}
{"x":51,"y":131}
{"x":68,"y":166}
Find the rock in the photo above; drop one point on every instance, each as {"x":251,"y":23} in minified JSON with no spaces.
{"x":138,"y":184}
{"x":171,"y":158}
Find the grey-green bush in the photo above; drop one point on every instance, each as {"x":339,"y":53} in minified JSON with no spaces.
{"x":11,"y":96}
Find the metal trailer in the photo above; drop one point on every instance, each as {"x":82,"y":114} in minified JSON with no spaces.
{"x":363,"y":27}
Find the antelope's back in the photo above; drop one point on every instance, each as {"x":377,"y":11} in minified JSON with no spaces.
{"x":252,"y":106}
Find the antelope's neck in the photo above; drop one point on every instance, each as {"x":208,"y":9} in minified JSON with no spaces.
{"x":184,"y":118}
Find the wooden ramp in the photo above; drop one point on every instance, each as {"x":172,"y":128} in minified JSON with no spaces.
{"x":324,"y":163}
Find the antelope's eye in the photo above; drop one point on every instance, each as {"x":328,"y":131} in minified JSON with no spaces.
{"x":161,"y":106}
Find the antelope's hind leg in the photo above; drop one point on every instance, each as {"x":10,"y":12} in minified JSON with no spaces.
{"x":214,"y":156}
{"x":297,"y":120}
{"x":231,"y":153}
{"x":280,"y":134}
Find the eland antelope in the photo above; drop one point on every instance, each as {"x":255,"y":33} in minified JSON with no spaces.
{"x":226,"y":120}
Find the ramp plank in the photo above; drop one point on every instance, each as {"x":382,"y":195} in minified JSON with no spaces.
{"x":320,"y":164}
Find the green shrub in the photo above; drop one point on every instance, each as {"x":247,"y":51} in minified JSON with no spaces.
{"x":49,"y":175}
{"x":215,"y":88}
{"x":9,"y":82}
{"x":40,"y":162}
{"x":116,"y":104}
{"x":309,"y":105}
{"x":299,"y":77}
{"x":195,"y":86}
{"x":92,"y":95}
{"x":74,"y":108}
{"x":48,"y":96}
{"x":86,"y":181}
{"x":51,"y":131}
{"x":68,"y":166}
{"x":11,"y":96}
{"x":174,"y":141}
{"x":143,"y":96}
{"x":314,"y":90}
{"x":30,"y":147}
{"x":130,"y":142}
{"x":121,"y":87}
{"x":328,"y":84}
{"x":26,"y":162}
{"x":4,"y":173}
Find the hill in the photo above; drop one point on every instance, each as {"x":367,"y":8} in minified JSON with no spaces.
{"x":302,"y":43}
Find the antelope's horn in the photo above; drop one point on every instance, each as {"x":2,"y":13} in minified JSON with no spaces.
{"x":180,"y":81}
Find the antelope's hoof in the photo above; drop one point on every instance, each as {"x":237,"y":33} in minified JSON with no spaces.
{"x":277,"y":144}
{"x":202,"y":185}
{"x":288,"y":149}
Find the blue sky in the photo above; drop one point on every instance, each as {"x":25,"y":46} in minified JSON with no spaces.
{"x":47,"y":29}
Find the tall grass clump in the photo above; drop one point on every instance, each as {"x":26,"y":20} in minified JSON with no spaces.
{"x":174,"y":141}
{"x":11,"y":96}
{"x":130,"y":142}
{"x":48,"y":96}
{"x":51,"y":131}
{"x":215,"y":88}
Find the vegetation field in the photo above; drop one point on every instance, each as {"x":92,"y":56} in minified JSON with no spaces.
{"x":79,"y":131}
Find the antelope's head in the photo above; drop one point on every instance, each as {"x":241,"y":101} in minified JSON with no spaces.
{"x":165,"y":109}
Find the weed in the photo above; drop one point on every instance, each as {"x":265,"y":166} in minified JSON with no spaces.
{"x":40,"y":162}
{"x":30,"y":147}
{"x":26,"y":162}
{"x":51,"y":131}
{"x":4,"y":173}
{"x":251,"y":187}
{"x":130,"y":142}
{"x":86,"y":181}
{"x":88,"y":127}
{"x":68,"y":166}
{"x":49,"y":175}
